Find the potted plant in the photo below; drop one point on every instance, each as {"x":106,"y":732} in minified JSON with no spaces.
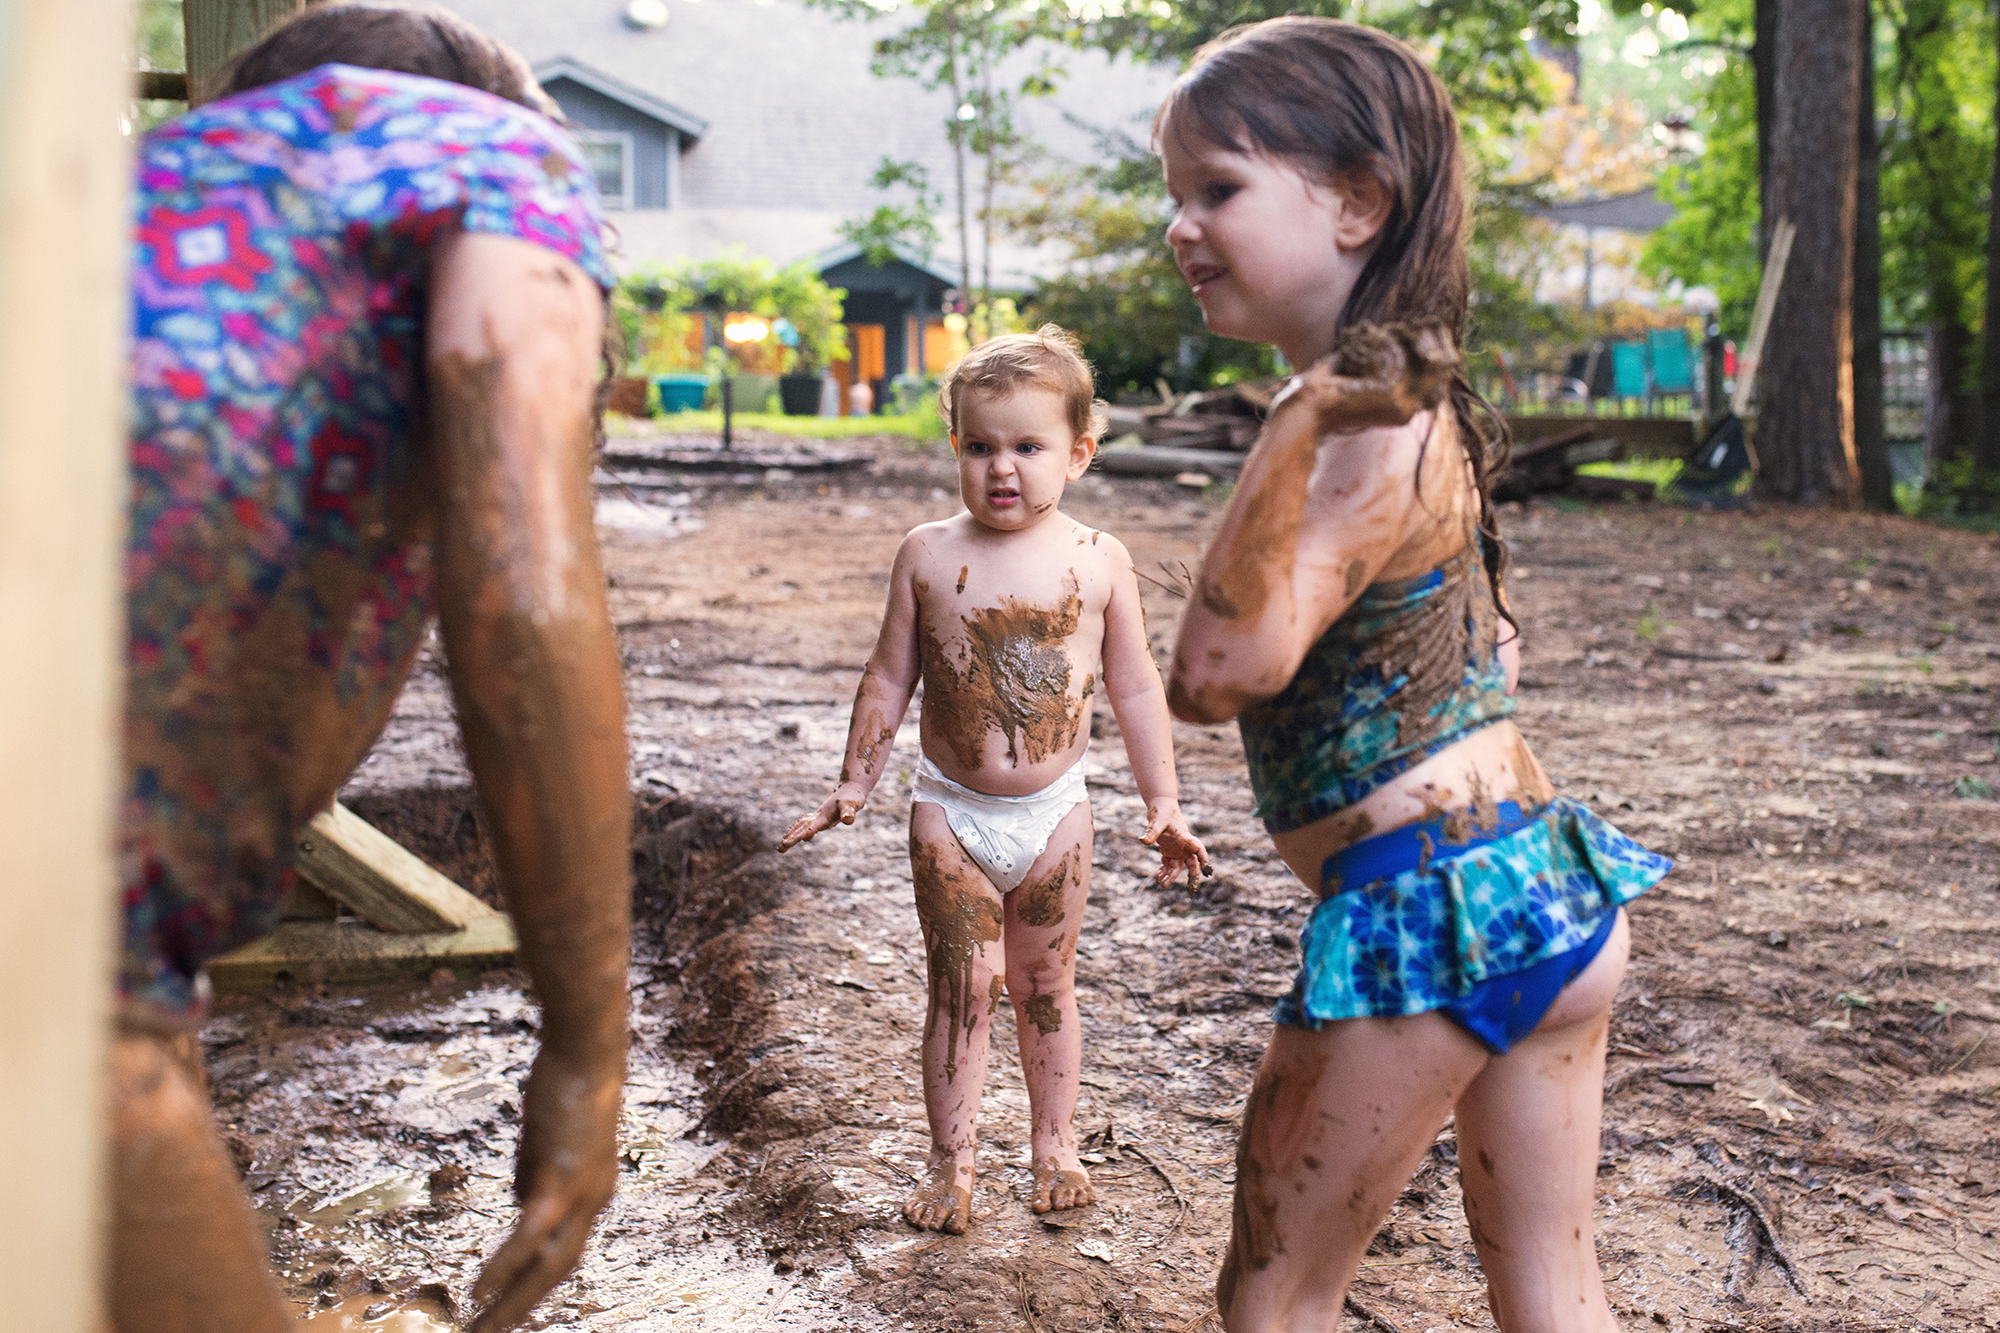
{"x":808,"y":325}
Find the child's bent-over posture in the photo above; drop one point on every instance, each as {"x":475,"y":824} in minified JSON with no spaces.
{"x":1014,"y":616}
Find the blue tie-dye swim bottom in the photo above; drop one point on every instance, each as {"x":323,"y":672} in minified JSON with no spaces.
{"x":1424,"y":916}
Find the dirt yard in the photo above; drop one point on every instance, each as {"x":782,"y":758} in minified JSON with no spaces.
{"x":1799,"y":1129}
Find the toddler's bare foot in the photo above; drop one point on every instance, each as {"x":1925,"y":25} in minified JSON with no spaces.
{"x":944,"y":1201}
{"x":1059,"y":1186}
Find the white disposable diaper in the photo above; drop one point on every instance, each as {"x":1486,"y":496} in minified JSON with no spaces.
{"x":1004,"y":834}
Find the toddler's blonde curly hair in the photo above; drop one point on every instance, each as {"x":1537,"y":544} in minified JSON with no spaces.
{"x":1049,"y":358}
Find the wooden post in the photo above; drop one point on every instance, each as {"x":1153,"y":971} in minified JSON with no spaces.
{"x":65,"y":79}
{"x":218,"y":29}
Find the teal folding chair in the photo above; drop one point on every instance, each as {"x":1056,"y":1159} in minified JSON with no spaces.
{"x":1673,"y":363}
{"x":1628,"y":370}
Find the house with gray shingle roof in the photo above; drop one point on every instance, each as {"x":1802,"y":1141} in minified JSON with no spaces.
{"x":758,"y":124}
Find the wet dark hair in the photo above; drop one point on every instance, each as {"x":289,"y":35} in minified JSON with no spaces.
{"x":1335,"y":98}
{"x":409,"y":39}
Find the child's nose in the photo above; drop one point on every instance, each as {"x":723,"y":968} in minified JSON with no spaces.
{"x":1181,"y":231}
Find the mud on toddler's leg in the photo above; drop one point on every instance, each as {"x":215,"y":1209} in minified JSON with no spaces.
{"x":961,"y":914}
{"x":1044,"y":916}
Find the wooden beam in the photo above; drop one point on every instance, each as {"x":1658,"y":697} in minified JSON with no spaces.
{"x":65,"y":78}
{"x":163,"y":85}
{"x":314,"y":952}
{"x":349,"y":858}
{"x":218,"y":29}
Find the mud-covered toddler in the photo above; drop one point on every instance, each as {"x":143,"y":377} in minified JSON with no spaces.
{"x":1013,"y":615}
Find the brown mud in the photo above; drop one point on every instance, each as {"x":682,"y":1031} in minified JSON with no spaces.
{"x":960,"y":914}
{"x":1012,"y":675}
{"x":1803,"y":1065}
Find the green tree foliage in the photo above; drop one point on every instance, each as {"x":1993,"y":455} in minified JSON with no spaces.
{"x":656,"y":306}
{"x":957,"y":47}
{"x":1712,"y":240}
{"x":895,"y":226}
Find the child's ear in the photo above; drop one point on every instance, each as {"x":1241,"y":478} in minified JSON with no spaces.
{"x":1081,"y":451}
{"x":1364,"y":207}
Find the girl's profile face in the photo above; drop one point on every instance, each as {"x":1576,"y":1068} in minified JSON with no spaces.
{"x":1261,"y":244}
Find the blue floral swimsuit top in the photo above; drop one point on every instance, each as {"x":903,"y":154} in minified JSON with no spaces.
{"x":1411,"y":667}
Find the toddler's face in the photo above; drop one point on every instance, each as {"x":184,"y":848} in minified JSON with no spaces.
{"x":1015,"y":455}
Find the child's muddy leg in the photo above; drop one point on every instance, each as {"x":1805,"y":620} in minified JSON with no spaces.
{"x":960,"y":911}
{"x":186,"y":1251}
{"x":1043,"y":917}
{"x":1335,"y":1124}
{"x":1527,"y":1157}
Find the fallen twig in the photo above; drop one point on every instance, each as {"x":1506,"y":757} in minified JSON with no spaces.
{"x":1372,"y":1317}
{"x":1173,"y":1189}
{"x":1027,"y":1309}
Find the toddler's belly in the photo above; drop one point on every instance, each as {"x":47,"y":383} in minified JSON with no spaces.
{"x":1001,"y":770}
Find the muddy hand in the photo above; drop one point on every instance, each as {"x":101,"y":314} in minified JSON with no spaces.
{"x":836,"y":809}
{"x":568,"y":1166}
{"x":1180,"y":851}
{"x":1379,"y":375}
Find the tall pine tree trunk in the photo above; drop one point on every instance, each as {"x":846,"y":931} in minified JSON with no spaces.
{"x":1986,"y":453}
{"x":1871,"y":451}
{"x":1949,"y":415}
{"x":1805,"y":429}
{"x":1764,"y":65}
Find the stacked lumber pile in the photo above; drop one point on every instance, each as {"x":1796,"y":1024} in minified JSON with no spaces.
{"x":1225,"y":418}
{"x":1193,"y":435}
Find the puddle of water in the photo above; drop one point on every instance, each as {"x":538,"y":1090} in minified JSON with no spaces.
{"x":619,"y":512}
{"x":378,"y":1196}
{"x":378,"y":1314}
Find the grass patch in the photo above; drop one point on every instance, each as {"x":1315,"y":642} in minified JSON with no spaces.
{"x":919,"y":426}
{"x":1662,"y":472}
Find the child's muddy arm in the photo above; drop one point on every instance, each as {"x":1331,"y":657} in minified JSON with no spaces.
{"x":880,"y":702}
{"x":1139,"y":702}
{"x":1320,"y":506}
{"x":511,"y":352}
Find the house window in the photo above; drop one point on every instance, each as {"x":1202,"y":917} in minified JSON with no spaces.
{"x":609,"y":157}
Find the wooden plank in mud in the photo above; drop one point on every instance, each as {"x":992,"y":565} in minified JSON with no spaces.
{"x":351,"y":860}
{"x":1160,"y":460}
{"x":313,"y":952}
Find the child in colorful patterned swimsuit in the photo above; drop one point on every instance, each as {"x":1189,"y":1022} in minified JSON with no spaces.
{"x":1014,"y":615}
{"x":1470,"y":931}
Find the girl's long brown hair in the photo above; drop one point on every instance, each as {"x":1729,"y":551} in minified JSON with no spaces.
{"x":1331,"y":98}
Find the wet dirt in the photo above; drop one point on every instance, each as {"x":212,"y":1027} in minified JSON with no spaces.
{"x":1011,"y":674}
{"x":1802,"y":1061}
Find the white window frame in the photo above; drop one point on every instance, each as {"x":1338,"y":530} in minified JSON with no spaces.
{"x":623,"y":139}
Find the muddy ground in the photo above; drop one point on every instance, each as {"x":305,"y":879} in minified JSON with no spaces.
{"x":1799,"y":1130}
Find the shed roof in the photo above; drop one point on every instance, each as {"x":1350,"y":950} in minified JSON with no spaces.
{"x":1640,"y":210}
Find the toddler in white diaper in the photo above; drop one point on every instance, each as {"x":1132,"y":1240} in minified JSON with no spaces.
{"x":1013,"y":615}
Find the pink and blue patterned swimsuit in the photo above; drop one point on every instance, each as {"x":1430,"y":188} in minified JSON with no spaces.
{"x":281,"y":250}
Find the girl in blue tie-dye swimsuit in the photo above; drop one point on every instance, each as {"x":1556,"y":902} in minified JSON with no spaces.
{"x":1470,"y":934}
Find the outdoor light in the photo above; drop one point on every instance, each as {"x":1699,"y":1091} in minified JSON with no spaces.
{"x":646,"y":14}
{"x":741,"y":330}
{"x":1677,"y":133}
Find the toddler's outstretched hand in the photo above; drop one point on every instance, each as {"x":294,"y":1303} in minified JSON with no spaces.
{"x":1180,"y":851}
{"x":839,"y":808}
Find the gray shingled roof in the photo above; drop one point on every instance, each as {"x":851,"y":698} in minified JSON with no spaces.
{"x":795,"y":119}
